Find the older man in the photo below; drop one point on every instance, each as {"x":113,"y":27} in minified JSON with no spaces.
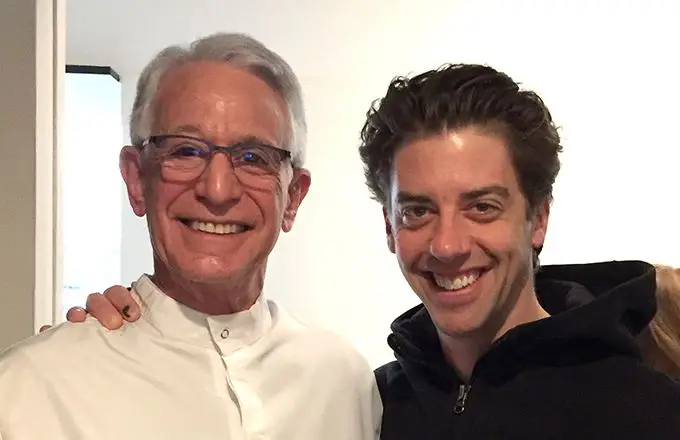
{"x":463,"y":162}
{"x":215,"y":165}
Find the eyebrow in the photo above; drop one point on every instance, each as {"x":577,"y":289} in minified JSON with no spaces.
{"x":187,"y":129}
{"x":485,"y":191}
{"x":250,"y":139}
{"x":407,"y":197}
{"x":243,"y":140}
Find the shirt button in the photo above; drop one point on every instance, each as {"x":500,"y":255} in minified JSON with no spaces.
{"x":225,"y":333}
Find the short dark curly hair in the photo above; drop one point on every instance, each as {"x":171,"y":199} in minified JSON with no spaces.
{"x":457,"y":96}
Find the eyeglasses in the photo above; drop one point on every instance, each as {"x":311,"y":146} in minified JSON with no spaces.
{"x":184,"y":158}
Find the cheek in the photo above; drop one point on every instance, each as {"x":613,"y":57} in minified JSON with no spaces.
{"x":271,"y":204}
{"x":162,"y":197}
{"x":502,"y":237}
{"x":409,"y":246}
{"x":278,"y":197}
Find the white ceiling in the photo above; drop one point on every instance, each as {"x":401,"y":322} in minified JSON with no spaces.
{"x":374,"y":40}
{"x":310,"y":34}
{"x":327,"y":38}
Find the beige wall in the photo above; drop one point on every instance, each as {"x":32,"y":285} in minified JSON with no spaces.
{"x":30,"y":54}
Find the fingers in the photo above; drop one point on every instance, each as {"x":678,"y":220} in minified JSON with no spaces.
{"x":76,"y":314}
{"x":122,"y":300}
{"x":102,"y":309}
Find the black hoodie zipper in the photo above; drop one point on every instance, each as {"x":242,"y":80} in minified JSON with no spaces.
{"x":465,"y":387}
{"x":463,"y":391}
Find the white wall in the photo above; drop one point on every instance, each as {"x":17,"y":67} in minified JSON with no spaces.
{"x":606,"y":70}
{"x":90,"y":186}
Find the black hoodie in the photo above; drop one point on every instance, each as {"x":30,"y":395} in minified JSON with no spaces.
{"x":577,"y":375}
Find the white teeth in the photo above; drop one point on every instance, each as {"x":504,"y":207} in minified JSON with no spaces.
{"x":216,"y":228}
{"x":458,"y":282}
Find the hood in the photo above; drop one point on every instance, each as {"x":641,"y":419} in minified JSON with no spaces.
{"x":596,"y":310}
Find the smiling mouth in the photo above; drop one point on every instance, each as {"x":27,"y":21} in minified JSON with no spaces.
{"x":215,"y":228}
{"x":459,"y":282}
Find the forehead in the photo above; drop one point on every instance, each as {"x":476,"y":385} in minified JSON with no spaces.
{"x":221,"y":101}
{"x":458,"y":161}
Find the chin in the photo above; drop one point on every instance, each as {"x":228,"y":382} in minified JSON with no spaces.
{"x":456,"y":325}
{"x":209,"y":270}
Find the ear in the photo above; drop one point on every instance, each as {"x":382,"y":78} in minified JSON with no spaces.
{"x":297,"y":190}
{"x":389,"y":231}
{"x":540,"y":225}
{"x":131,"y":170}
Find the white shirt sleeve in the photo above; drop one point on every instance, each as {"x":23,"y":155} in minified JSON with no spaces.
{"x":19,"y":391}
{"x":356,"y":396}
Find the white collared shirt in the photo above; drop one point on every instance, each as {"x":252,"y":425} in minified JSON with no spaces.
{"x":179,"y":374}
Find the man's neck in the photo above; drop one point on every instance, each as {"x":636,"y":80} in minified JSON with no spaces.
{"x":211,"y":298}
{"x":463,"y":352}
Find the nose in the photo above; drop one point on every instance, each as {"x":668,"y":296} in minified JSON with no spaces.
{"x":451,"y":239}
{"x":218,"y":185}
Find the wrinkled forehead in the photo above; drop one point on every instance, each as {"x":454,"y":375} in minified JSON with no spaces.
{"x":223,"y":102}
{"x":444,"y":166}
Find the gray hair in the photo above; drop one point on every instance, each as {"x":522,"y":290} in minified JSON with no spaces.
{"x":237,"y":49}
